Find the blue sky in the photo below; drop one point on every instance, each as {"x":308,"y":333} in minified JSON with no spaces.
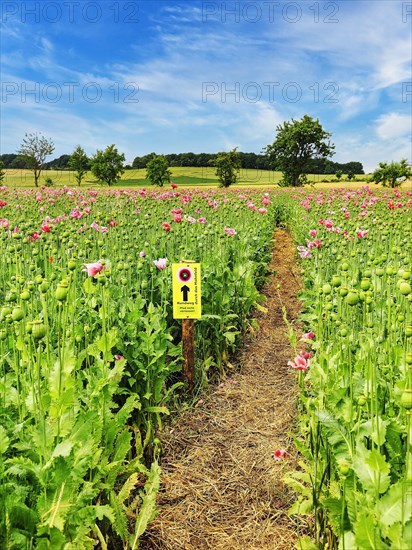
{"x":177,"y":76}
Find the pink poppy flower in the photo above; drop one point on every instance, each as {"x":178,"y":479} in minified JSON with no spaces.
{"x":161,"y":263}
{"x":201,"y":220}
{"x":279,"y":454}
{"x":166,"y":226}
{"x":304,"y":252}
{"x":313,"y":233}
{"x":118,"y":357}
{"x":308,"y":336}
{"x":45,"y":228}
{"x":94,"y":226}
{"x":230,"y":231}
{"x":177,"y":218}
{"x":299,"y":363}
{"x":362,"y":233}
{"x":262,"y":210}
{"x":306,"y":354}
{"x":173,"y":185}
{"x":34,"y":237}
{"x":142,"y":254}
{"x":93,"y":269}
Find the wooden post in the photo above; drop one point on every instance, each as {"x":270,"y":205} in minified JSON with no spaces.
{"x":188,"y":350}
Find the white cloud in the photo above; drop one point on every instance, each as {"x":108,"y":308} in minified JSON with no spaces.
{"x":394,"y":125}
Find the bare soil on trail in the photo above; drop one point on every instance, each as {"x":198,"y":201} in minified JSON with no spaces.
{"x":221,"y":487}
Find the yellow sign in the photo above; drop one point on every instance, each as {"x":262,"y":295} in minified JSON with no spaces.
{"x":186,"y":291}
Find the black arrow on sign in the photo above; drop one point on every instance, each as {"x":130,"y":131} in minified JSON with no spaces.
{"x":185,"y":290}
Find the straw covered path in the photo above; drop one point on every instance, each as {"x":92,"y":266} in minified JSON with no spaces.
{"x":221,"y":486}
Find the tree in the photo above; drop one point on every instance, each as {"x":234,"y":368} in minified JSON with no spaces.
{"x":34,"y":150}
{"x":393,"y":174}
{"x":157,"y":170}
{"x":107,"y":165}
{"x":79,"y":162}
{"x":296,"y":143}
{"x":227,"y":167}
{"x":338,"y":174}
{"x":2,"y":172}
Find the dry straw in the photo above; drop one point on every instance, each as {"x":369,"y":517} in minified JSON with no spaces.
{"x":221,"y":486}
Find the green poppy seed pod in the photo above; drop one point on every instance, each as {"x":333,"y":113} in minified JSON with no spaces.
{"x":408,"y":330}
{"x":17,"y":314}
{"x":336,"y":280}
{"x":5,"y":310}
{"x":3,"y":334}
{"x":408,"y":359}
{"x":44,"y":287}
{"x":326,"y":288}
{"x":61,"y":291}
{"x":72,"y":265}
{"x":38,"y":330}
{"x":344,"y":467}
{"x":352,"y":298}
{"x":406,"y":399}
{"x":25,"y":295}
{"x":405,"y":288}
{"x":365,"y":284}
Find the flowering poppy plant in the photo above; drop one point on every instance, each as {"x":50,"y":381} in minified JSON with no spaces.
{"x":93,"y":269}
{"x":280,"y":454}
{"x":230,"y":231}
{"x":299,"y":363}
{"x":161,"y":263}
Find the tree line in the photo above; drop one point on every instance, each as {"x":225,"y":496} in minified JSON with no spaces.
{"x":201,"y":160}
{"x":301,"y":147}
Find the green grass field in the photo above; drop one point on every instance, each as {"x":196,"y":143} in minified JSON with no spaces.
{"x":183,"y":176}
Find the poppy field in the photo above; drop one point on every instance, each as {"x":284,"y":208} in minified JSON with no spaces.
{"x":355,"y":369}
{"x":90,"y":353}
{"x":91,"y":356}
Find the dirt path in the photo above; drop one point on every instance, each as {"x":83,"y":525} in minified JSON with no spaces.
{"x":221,"y":486}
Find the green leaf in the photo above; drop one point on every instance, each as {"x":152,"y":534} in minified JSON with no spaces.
{"x":89,"y":287}
{"x":63,"y":449}
{"x":148,"y":508}
{"x":367,"y":535}
{"x":128,"y":487}
{"x":371,"y":469}
{"x":163,"y":410}
{"x":4,"y":440}
{"x":107,"y":341}
{"x":376,"y":429}
{"x":338,"y":436}
{"x":395,"y":506}
{"x":305,"y":543}
{"x":348,"y":541}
